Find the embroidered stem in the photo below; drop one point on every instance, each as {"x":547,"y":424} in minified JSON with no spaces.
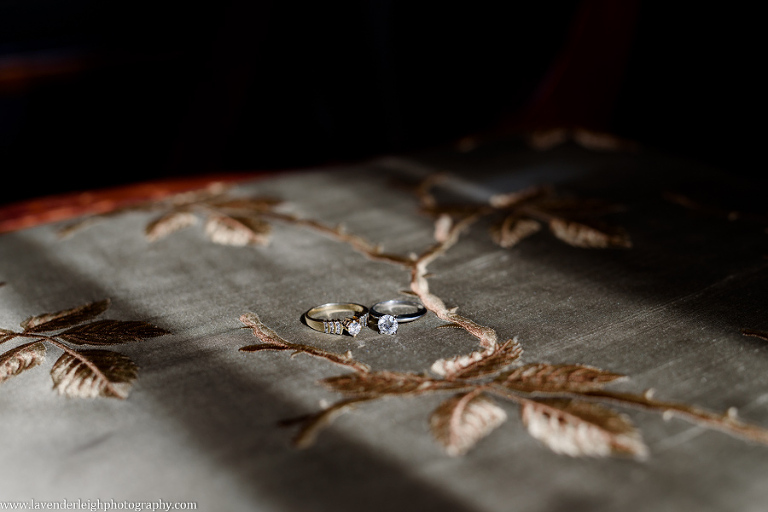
{"x":272,"y":341}
{"x":420,"y":286}
{"x":7,"y":335}
{"x":312,"y":424}
{"x":337,"y":233}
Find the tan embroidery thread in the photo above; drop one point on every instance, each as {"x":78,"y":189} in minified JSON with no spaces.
{"x":755,"y":334}
{"x":227,"y":220}
{"x":563,"y":406}
{"x":78,"y":373}
{"x":523,"y":213}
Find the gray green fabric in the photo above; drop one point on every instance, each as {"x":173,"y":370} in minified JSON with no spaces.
{"x":201,"y":422}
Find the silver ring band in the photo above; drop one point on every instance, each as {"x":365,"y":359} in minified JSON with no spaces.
{"x":387,"y":317}
{"x":325,"y":318}
{"x":390,"y":307}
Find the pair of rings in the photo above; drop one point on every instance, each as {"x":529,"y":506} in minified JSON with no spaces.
{"x":387,"y":315}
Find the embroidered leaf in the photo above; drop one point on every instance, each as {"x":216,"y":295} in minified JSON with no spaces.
{"x":577,"y":429}
{"x":65,"y":318}
{"x":461,"y":421}
{"x":542,"y":140}
{"x":92,"y":373}
{"x":582,"y":235}
{"x":169,"y":223}
{"x":21,"y":358}
{"x":479,"y":363}
{"x":272,"y":341}
{"x":598,"y":141}
{"x":110,"y":332}
{"x":547,"y":139}
{"x":210,"y":193}
{"x":552,"y":378}
{"x":237,"y":231}
{"x":379,"y":383}
{"x":515,"y":198}
{"x":513,"y":229}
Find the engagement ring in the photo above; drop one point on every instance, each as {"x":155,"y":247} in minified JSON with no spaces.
{"x":326,"y":318}
{"x":390,"y":313}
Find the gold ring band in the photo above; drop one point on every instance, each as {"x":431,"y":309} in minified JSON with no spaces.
{"x":325,"y":318}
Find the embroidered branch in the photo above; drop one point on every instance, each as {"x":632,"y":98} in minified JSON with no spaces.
{"x":227,"y":220}
{"x":563,"y":406}
{"x":85,"y":373}
{"x":270,"y":340}
{"x":755,"y":334}
{"x":521,"y":214}
{"x":566,"y":407}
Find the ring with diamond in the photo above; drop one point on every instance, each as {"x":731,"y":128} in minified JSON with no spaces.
{"x":325,"y":318}
{"x":389,"y":313}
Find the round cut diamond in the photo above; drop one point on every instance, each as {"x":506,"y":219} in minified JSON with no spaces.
{"x":387,"y":324}
{"x":354,"y":327}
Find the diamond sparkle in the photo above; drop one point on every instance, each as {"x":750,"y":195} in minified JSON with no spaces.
{"x":354,"y":328}
{"x":387,"y":324}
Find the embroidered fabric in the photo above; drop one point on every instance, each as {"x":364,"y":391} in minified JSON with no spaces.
{"x":662,"y":300}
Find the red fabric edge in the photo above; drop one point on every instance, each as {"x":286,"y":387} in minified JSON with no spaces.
{"x":43,"y":210}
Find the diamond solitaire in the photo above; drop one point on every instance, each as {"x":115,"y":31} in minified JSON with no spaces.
{"x":390,"y":313}
{"x":387,"y":324}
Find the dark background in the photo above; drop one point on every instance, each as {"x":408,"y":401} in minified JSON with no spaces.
{"x":94,"y":94}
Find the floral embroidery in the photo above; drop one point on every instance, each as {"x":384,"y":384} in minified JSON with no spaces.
{"x":523,"y":213}
{"x":560,"y":404}
{"x":227,"y":220}
{"x":563,"y":405}
{"x":78,"y":373}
